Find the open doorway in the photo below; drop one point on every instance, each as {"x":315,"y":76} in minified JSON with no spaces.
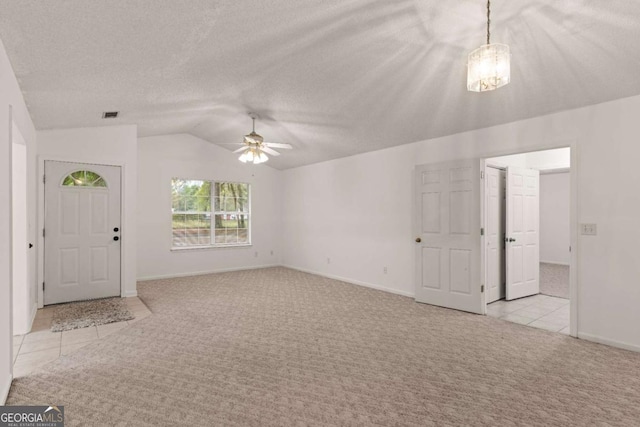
{"x":527,"y":238}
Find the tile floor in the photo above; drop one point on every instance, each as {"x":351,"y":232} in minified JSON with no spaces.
{"x":41,"y":346}
{"x":538,"y":311}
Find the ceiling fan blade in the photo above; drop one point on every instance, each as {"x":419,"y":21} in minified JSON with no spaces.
{"x":269,"y":151}
{"x":277,"y":145}
{"x":240,"y":149}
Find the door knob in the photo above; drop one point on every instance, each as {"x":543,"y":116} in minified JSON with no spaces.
{"x":509,"y":239}
{"x":30,"y":245}
{"x":116,"y":229}
{"x":116,"y":238}
{"x":418,"y":240}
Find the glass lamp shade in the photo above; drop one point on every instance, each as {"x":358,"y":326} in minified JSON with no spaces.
{"x":252,"y":155}
{"x":262,"y":157}
{"x":489,"y":67}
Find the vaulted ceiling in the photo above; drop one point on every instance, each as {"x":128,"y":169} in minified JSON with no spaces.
{"x":331,"y":77}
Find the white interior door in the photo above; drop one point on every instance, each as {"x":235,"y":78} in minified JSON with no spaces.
{"x":523,"y":233}
{"x":82,"y":232}
{"x":447,"y":250}
{"x":495,"y":182}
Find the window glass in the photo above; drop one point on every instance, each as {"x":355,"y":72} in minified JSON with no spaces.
{"x":194,"y":223}
{"x":83,"y":179}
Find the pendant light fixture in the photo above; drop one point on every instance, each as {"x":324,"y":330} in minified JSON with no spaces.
{"x":489,"y":66}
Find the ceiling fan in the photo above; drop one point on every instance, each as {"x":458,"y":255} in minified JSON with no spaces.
{"x":255,"y":149}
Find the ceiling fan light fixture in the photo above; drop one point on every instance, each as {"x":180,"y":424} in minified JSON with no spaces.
{"x":254,"y":138}
{"x":243,"y":157}
{"x":263,"y":157}
{"x":489,"y":66}
{"x":255,"y":148}
{"x":253,"y":155}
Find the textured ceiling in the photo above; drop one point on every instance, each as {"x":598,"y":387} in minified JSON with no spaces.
{"x":331,"y":77}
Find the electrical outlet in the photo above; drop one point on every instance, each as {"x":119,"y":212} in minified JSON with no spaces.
{"x":588,"y":229}
{"x":384,"y":270}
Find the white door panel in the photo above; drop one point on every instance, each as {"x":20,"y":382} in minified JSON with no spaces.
{"x":522,"y":233}
{"x":20,"y":258}
{"x":82,"y":254}
{"x":447,"y":256}
{"x":495,"y":181}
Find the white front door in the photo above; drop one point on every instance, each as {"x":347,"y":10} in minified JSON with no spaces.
{"x":495,"y":181}
{"x":523,"y":233}
{"x":82,"y":232}
{"x":447,"y":248}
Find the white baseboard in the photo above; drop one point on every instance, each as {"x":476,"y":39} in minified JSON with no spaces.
{"x":606,"y":341}
{"x":566,"y":264}
{"x":4,"y":390}
{"x":129,"y":294}
{"x":354,"y":282}
{"x":202,"y":273}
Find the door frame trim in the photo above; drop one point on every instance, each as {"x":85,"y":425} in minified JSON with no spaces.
{"x":41,"y":209}
{"x":573,"y":218}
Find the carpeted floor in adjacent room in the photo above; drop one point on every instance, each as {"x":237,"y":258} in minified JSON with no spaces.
{"x":554,"y":280}
{"x":281,"y":347}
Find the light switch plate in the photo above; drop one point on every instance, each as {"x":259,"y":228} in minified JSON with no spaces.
{"x":588,"y":229}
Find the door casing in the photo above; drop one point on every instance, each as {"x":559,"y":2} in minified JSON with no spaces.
{"x":41,"y":216}
{"x":573,"y":219}
{"x":86,"y":241}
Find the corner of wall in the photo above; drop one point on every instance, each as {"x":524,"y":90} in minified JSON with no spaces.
{"x":4,"y":390}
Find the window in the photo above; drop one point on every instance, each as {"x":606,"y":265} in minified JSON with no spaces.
{"x":208,"y":213}
{"x":83,"y":179}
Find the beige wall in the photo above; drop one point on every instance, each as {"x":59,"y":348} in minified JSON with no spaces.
{"x":12,"y":108}
{"x":358,"y":210}
{"x":161,"y":158}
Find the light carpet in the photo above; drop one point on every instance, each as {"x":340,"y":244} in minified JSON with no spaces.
{"x":554,"y":280}
{"x":82,"y":314}
{"x":277,"y":347}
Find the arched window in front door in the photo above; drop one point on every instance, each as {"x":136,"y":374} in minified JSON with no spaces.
{"x":83,"y":178}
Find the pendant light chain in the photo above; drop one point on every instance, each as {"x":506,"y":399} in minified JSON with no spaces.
{"x":488,"y":21}
{"x":489,"y":66}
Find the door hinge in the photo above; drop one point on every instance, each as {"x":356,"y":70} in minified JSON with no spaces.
{"x":481,"y":289}
{"x":43,"y":232}
{"x":44,"y":179}
{"x":42,"y":286}
{"x":569,"y":248}
{"x":481,"y":174}
{"x":482,"y":231}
